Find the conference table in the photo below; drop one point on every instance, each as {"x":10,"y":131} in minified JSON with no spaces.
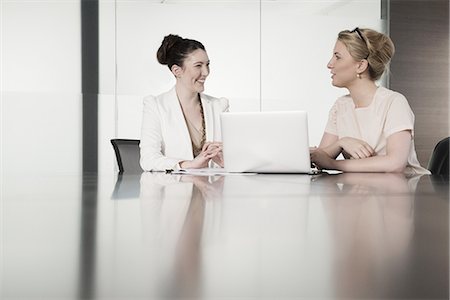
{"x":215,"y":236}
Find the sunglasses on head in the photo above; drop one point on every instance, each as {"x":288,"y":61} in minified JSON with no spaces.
{"x":360,"y":36}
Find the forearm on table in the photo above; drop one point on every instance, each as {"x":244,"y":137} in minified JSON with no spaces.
{"x":333,"y":150}
{"x":330,"y":144}
{"x":382,"y":163}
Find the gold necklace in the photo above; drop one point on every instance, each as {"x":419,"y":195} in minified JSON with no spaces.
{"x":197,"y":150}
{"x":203,"y":139}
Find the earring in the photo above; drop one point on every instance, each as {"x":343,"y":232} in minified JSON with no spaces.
{"x":358,"y":75}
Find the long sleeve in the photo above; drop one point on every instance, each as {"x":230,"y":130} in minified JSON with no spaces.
{"x":152,"y":158}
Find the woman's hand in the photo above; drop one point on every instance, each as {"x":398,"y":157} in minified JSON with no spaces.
{"x":355,"y":148}
{"x":211,"y":150}
{"x":216,"y":149}
{"x":322,"y":160}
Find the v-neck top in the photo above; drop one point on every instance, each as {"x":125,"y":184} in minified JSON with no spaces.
{"x":388,"y":113}
{"x":197,"y":137}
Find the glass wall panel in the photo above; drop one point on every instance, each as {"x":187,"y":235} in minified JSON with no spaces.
{"x":40,"y":86}
{"x":297,"y":41}
{"x":228,"y":29}
{"x":265,"y":55}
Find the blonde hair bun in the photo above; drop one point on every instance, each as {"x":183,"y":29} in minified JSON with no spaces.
{"x":364,"y":43}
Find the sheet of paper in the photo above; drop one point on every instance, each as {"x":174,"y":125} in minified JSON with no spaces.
{"x":207,"y":172}
{"x":332,"y":172}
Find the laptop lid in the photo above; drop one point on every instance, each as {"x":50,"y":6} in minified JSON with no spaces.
{"x":266,"y":142}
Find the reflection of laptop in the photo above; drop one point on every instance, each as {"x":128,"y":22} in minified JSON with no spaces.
{"x":266,"y":142}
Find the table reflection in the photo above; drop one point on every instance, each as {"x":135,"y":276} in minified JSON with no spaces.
{"x":180,"y":205}
{"x":331,"y":236}
{"x":371,"y":220}
{"x":162,"y":236}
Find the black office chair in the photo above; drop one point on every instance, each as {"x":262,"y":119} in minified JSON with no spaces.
{"x":438,"y":164}
{"x":128,"y":155}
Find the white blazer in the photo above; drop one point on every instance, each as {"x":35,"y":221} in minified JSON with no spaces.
{"x":165,"y":139}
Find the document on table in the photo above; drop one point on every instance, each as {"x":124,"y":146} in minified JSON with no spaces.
{"x":207,"y":172}
{"x":332,"y":172}
{"x":222,"y":171}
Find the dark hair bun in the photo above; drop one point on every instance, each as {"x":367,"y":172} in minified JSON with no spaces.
{"x":174,"y":50}
{"x":165,"y":48}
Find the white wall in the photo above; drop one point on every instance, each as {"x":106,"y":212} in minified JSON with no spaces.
{"x":230,"y":32}
{"x":297,"y":42}
{"x":271,"y":56}
{"x":40,"y":86}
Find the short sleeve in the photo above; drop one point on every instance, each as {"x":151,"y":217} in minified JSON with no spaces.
{"x":399,"y":116}
{"x":331,"y":126}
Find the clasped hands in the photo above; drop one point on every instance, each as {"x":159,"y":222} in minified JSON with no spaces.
{"x":350,"y":147}
{"x":210,"y":151}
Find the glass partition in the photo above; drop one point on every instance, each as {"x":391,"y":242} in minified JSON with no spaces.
{"x":297,"y":41}
{"x":40,"y":86}
{"x":230,"y":31}
{"x":265,"y":55}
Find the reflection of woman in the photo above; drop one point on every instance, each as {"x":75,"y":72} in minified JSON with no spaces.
{"x":181,"y":128}
{"x":372,"y":125}
{"x":354,"y":184}
{"x":181,"y":211}
{"x":371,"y":220}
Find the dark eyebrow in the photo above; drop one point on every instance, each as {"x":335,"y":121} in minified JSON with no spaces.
{"x":201,"y":62}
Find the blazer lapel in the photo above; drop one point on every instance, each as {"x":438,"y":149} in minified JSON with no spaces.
{"x":178,"y":123}
{"x":208,"y":115}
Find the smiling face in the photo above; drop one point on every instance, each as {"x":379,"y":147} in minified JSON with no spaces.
{"x":193,"y":73}
{"x":343,"y":66}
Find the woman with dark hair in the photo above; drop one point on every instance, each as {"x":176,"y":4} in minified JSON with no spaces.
{"x":372,"y":126}
{"x":181,"y":128}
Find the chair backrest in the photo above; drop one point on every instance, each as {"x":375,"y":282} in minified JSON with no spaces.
{"x":439,"y":163}
{"x":128,"y":155}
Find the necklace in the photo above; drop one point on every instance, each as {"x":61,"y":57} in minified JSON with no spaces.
{"x":201,"y":138}
{"x":197,"y":150}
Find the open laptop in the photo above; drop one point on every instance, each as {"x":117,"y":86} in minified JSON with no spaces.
{"x":266,"y":142}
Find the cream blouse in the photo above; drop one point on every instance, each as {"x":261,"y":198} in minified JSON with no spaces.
{"x":388,"y":113}
{"x":197,"y":137}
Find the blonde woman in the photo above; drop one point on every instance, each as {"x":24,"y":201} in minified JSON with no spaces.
{"x":181,"y":128}
{"x":373,"y":127}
